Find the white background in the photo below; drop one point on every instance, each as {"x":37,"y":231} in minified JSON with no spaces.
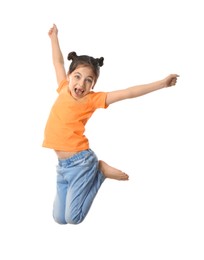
{"x":157,"y":139}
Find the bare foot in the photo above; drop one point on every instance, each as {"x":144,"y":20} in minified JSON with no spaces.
{"x":112,"y":173}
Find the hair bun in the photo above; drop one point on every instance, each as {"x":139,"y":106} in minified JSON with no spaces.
{"x":100,"y":61}
{"x":72,"y":55}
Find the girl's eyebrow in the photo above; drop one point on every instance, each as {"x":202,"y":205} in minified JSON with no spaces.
{"x":77,"y":73}
{"x":81,"y":75}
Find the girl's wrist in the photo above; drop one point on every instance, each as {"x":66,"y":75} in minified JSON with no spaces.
{"x":163,"y":83}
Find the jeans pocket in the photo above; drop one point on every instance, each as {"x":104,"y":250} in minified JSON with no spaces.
{"x":60,"y":169}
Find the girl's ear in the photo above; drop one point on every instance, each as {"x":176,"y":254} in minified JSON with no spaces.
{"x":93,"y":84}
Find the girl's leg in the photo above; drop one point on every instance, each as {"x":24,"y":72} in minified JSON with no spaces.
{"x":60,"y":199}
{"x":83,"y":188}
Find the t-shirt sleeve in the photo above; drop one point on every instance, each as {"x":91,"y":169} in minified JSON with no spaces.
{"x":62,"y":84}
{"x":98,"y":100}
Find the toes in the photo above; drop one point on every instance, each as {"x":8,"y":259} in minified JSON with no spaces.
{"x":124,"y":176}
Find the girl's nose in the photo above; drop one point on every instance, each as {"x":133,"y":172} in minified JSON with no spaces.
{"x":81,"y":83}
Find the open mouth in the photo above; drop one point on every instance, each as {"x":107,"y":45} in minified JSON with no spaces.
{"x":79,"y":92}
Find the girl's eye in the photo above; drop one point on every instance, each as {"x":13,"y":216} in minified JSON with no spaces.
{"x":77,"y":77}
{"x":90,"y":81}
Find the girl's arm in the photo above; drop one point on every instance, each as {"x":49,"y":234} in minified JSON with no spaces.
{"x":140,"y":90}
{"x":58,"y":60}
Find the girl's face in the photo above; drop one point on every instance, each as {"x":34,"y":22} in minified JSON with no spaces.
{"x":81,"y":81}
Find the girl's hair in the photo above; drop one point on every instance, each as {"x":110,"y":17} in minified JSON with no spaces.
{"x":85,"y":60}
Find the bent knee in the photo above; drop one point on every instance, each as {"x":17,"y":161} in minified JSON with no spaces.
{"x":70,"y":219}
{"x":60,"y":220}
{"x":75,"y":220}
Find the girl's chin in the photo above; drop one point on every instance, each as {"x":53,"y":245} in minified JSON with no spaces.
{"x":77,"y":96}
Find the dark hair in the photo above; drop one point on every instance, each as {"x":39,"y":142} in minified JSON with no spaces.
{"x":85,"y":60}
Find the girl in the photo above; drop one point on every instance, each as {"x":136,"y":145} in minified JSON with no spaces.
{"x":79,"y":172}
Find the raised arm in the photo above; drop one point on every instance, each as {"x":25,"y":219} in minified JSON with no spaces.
{"x":140,"y":90}
{"x":58,"y":60}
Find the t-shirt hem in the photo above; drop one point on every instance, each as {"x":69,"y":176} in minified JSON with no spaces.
{"x":66,"y":149}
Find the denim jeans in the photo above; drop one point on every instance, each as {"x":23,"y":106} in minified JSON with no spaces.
{"x":78,"y":181}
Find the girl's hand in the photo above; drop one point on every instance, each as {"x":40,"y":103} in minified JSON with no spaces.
{"x":53,"y":31}
{"x":170,"y":80}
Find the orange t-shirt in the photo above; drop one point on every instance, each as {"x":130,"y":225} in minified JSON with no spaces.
{"x":65,"y":126}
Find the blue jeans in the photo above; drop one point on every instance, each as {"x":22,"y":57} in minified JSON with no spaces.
{"x":78,"y":181}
